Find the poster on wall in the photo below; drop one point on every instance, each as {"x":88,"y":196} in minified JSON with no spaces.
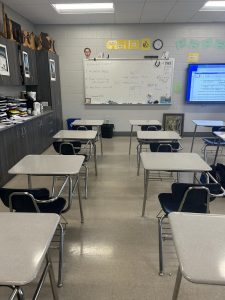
{"x":26,"y":66}
{"x":4,"y":63}
{"x":52,"y":69}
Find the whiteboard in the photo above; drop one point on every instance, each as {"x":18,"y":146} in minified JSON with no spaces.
{"x":128,"y":81}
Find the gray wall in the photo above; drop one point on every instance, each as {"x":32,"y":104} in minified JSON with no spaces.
{"x":72,"y":39}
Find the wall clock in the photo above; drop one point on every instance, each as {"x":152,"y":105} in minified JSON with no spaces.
{"x":157,"y":44}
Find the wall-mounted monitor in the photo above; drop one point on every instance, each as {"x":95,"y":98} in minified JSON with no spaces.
{"x":206,"y":83}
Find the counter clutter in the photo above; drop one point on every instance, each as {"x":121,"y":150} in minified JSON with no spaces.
{"x":14,"y":111}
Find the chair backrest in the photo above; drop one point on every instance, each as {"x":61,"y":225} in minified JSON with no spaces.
{"x":82,"y":127}
{"x":165,"y":148}
{"x":21,"y":199}
{"x":67,"y":149}
{"x":192,"y":197}
{"x":151,"y":127}
{"x":56,"y":146}
{"x":218,"y":128}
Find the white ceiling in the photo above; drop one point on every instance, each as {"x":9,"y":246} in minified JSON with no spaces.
{"x":126,"y":11}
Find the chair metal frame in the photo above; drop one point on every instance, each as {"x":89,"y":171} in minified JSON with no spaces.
{"x":213,"y":142}
{"x":87,"y":153}
{"x":161,"y":145}
{"x":168,"y":236}
{"x":60,"y":225}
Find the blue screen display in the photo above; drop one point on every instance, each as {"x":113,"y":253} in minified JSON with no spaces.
{"x":206,"y":83}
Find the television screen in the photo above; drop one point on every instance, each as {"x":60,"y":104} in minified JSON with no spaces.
{"x":206,"y":83}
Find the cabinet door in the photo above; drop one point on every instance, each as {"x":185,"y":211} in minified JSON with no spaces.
{"x":43,"y":88}
{"x":4,"y":155}
{"x":29,"y":66}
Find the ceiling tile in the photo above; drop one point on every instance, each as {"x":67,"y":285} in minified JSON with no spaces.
{"x":184,"y":11}
{"x":156,"y":12}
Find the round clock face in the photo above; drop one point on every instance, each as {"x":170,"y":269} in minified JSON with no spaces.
{"x":158,"y":44}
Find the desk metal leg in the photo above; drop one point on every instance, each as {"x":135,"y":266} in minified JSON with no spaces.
{"x":177,"y":284}
{"x":139,"y":158}
{"x":48,"y":269}
{"x":217,"y":151}
{"x":131,"y":132}
{"x":80,"y":201}
{"x":193,"y":139}
{"x":52,"y":278}
{"x":17,"y":292}
{"x":100,"y":137}
{"x":95,"y":158}
{"x":146,"y":175}
{"x":20,"y":294}
{"x":29,"y":182}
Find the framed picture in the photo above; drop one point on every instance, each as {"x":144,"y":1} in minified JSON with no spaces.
{"x":26,"y":66}
{"x":4,"y":63}
{"x":52,"y":69}
{"x":174,"y":122}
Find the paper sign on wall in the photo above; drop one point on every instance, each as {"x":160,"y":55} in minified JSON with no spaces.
{"x":193,"y":57}
{"x":143,"y":44}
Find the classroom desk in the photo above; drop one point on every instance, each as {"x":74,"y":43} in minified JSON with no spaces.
{"x":203,"y":235}
{"x":25,"y":239}
{"x":141,"y":123}
{"x":205,"y":123}
{"x":154,"y":136}
{"x":173,"y":162}
{"x":81,"y":136}
{"x":95,"y":123}
{"x":52,"y":165}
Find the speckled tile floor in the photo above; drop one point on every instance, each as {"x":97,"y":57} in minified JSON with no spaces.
{"x":114,"y":254}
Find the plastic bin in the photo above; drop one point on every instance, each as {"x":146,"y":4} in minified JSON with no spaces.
{"x":107,"y":131}
{"x":70,"y":121}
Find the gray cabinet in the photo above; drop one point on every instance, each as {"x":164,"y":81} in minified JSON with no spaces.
{"x":31,"y":54}
{"x":14,"y":66}
{"x":47,"y":89}
{"x":31,"y":137}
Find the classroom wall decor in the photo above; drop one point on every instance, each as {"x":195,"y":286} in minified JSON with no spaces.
{"x":128,"y":81}
{"x":133,"y":44}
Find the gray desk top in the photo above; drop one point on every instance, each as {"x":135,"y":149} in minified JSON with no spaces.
{"x":183,"y":162}
{"x":220,"y":134}
{"x":158,"y":135}
{"x":200,"y":245}
{"x":76,"y":135}
{"x":208,"y":123}
{"x":24,"y":240}
{"x":48,"y":165}
{"x":144,"y":122}
{"x":88,"y":122}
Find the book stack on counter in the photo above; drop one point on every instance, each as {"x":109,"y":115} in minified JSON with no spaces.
{"x":17,"y":108}
{"x":3,"y":109}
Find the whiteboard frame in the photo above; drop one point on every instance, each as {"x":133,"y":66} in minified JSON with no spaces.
{"x":124,"y":104}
